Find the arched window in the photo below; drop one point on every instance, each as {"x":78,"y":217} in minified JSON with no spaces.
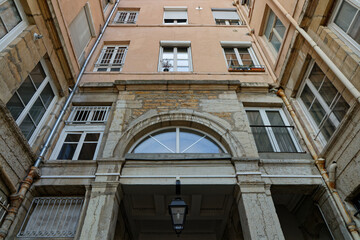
{"x":177,"y":140}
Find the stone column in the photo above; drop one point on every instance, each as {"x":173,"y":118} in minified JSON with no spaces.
{"x":102,"y":211}
{"x":257,"y":212}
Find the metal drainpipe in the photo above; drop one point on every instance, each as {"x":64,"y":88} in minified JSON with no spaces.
{"x":16,"y":199}
{"x":352,"y":89}
{"x":320,"y":164}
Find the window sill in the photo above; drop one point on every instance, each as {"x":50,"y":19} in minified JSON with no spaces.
{"x":176,"y":156}
{"x":285,"y":155}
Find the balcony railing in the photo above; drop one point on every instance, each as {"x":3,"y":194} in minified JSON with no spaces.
{"x":246,"y":68}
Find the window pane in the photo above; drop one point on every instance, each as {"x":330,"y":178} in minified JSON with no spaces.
{"x":168,"y":53}
{"x":354,"y":31}
{"x":182,"y":53}
{"x":275,"y":42}
{"x":340,"y":108}
{"x":2,"y":29}
{"x":317,"y":112}
{"x":279,"y":27}
{"x":231,"y":57}
{"x":345,"y":16}
{"x":183,"y":63}
{"x":194,"y":142}
{"x":9,"y":14}
{"x":67,"y":151}
{"x":328,"y":91}
{"x":269,"y":24}
{"x":80,"y":32}
{"x":38,"y":75}
{"x":92,"y":137}
{"x":316,"y":76}
{"x":37,"y":111}
{"x":245,"y":56}
{"x":260,"y":135}
{"x":47,"y":95}
{"x":282,"y":134}
{"x":307,"y":97}
{"x":15,"y":106}
{"x":327,"y":129}
{"x":87,"y":151}
{"x":183,"y":69}
{"x":161,"y":142}
{"x":72,"y":138}
{"x":27,"y":127}
{"x":26,"y":90}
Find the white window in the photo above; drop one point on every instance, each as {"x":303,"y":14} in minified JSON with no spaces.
{"x":52,"y":217}
{"x":240,"y":56}
{"x":346,"y":22}
{"x":111,"y":59}
{"x":175,"y":15}
{"x":4,"y":205}
{"x":81,"y":137}
{"x":274,"y":31}
{"x":226,"y":16}
{"x":82,"y":30}
{"x":272,"y":131}
{"x":177,"y":140}
{"x":323,"y":103}
{"x":175,"y":56}
{"x":12,"y":21}
{"x":126,"y":17}
{"x":31,"y":103}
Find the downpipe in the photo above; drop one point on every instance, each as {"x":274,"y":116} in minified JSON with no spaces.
{"x":16,"y":199}
{"x":320,"y":164}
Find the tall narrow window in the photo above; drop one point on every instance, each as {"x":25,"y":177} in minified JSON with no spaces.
{"x":274,"y":31}
{"x":226,"y":16}
{"x":126,"y":17}
{"x":272,"y":131}
{"x":12,"y":21}
{"x":175,"y":15}
{"x":175,"y":58}
{"x":81,"y":137}
{"x":82,"y":30}
{"x":346,"y":21}
{"x":32,"y":101}
{"x":111,"y":59}
{"x":323,"y":102}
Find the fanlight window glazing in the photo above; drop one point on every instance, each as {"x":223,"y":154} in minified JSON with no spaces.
{"x":177,"y":140}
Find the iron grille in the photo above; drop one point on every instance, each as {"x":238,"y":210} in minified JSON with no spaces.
{"x":52,"y":217}
{"x":89,"y":114}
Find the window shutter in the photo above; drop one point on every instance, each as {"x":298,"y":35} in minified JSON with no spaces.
{"x":230,"y":15}
{"x":80,"y":32}
{"x":181,"y":14}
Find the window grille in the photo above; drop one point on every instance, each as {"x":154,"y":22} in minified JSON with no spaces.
{"x":126,"y":17}
{"x":50,"y":217}
{"x":111,"y":59}
{"x":89,"y":114}
{"x":3,"y":205}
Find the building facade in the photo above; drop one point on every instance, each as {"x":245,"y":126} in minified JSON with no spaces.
{"x":253,"y":105}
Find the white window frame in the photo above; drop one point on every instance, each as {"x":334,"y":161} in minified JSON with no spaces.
{"x":13,"y":33}
{"x":324,"y":105}
{"x":175,"y":45}
{"x":269,"y":130}
{"x":235,"y":46}
{"x":116,"y":19}
{"x":177,"y":138}
{"x":33,"y":99}
{"x":227,"y":20}
{"x":110,"y":66}
{"x":175,"y":9}
{"x":339,"y":32}
{"x":273,"y":31}
{"x":77,"y":129}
